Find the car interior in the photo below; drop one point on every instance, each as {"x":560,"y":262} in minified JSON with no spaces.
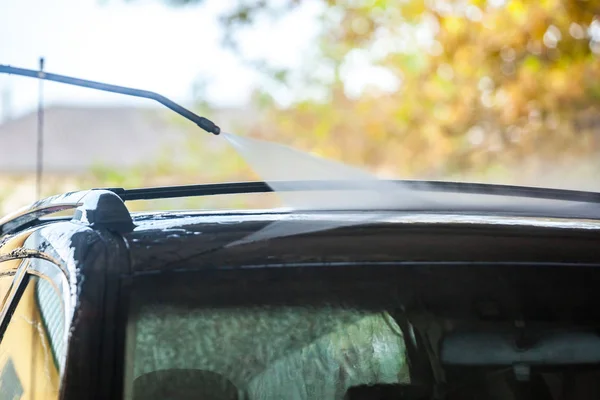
{"x":358,"y":334}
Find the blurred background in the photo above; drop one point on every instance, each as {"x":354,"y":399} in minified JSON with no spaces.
{"x":493,"y":91}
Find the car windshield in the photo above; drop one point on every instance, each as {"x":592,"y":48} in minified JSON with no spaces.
{"x":219,"y":341}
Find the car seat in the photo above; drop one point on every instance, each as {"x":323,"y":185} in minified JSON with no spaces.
{"x":183,"y":384}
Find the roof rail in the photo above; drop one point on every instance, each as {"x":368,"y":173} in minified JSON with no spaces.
{"x":564,"y":203}
{"x":28,"y":215}
{"x":95,"y":208}
{"x":165,"y":192}
{"x":105,"y":208}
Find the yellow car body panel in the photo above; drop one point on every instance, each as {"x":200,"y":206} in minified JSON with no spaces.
{"x":29,"y":350}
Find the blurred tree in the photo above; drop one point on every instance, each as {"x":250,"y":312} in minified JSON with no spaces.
{"x":467,"y":88}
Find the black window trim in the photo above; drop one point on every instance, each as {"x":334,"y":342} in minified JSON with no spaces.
{"x":6,"y":274}
{"x":14,"y":294}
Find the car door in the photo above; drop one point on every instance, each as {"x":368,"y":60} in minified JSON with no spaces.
{"x":33,"y":331}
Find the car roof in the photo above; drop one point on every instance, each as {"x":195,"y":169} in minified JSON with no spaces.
{"x":175,"y":240}
{"x":201,"y":240}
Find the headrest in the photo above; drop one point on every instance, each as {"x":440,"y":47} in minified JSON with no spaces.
{"x":183,"y":384}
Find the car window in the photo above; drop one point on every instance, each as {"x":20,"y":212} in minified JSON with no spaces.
{"x":32,"y":347}
{"x":192,"y":339}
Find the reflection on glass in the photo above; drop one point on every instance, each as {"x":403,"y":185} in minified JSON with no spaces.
{"x":262,"y":352}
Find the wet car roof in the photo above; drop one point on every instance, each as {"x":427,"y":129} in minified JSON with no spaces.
{"x":176,"y":241}
{"x":181,"y":219}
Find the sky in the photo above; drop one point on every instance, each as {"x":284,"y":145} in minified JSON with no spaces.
{"x":142,"y":44}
